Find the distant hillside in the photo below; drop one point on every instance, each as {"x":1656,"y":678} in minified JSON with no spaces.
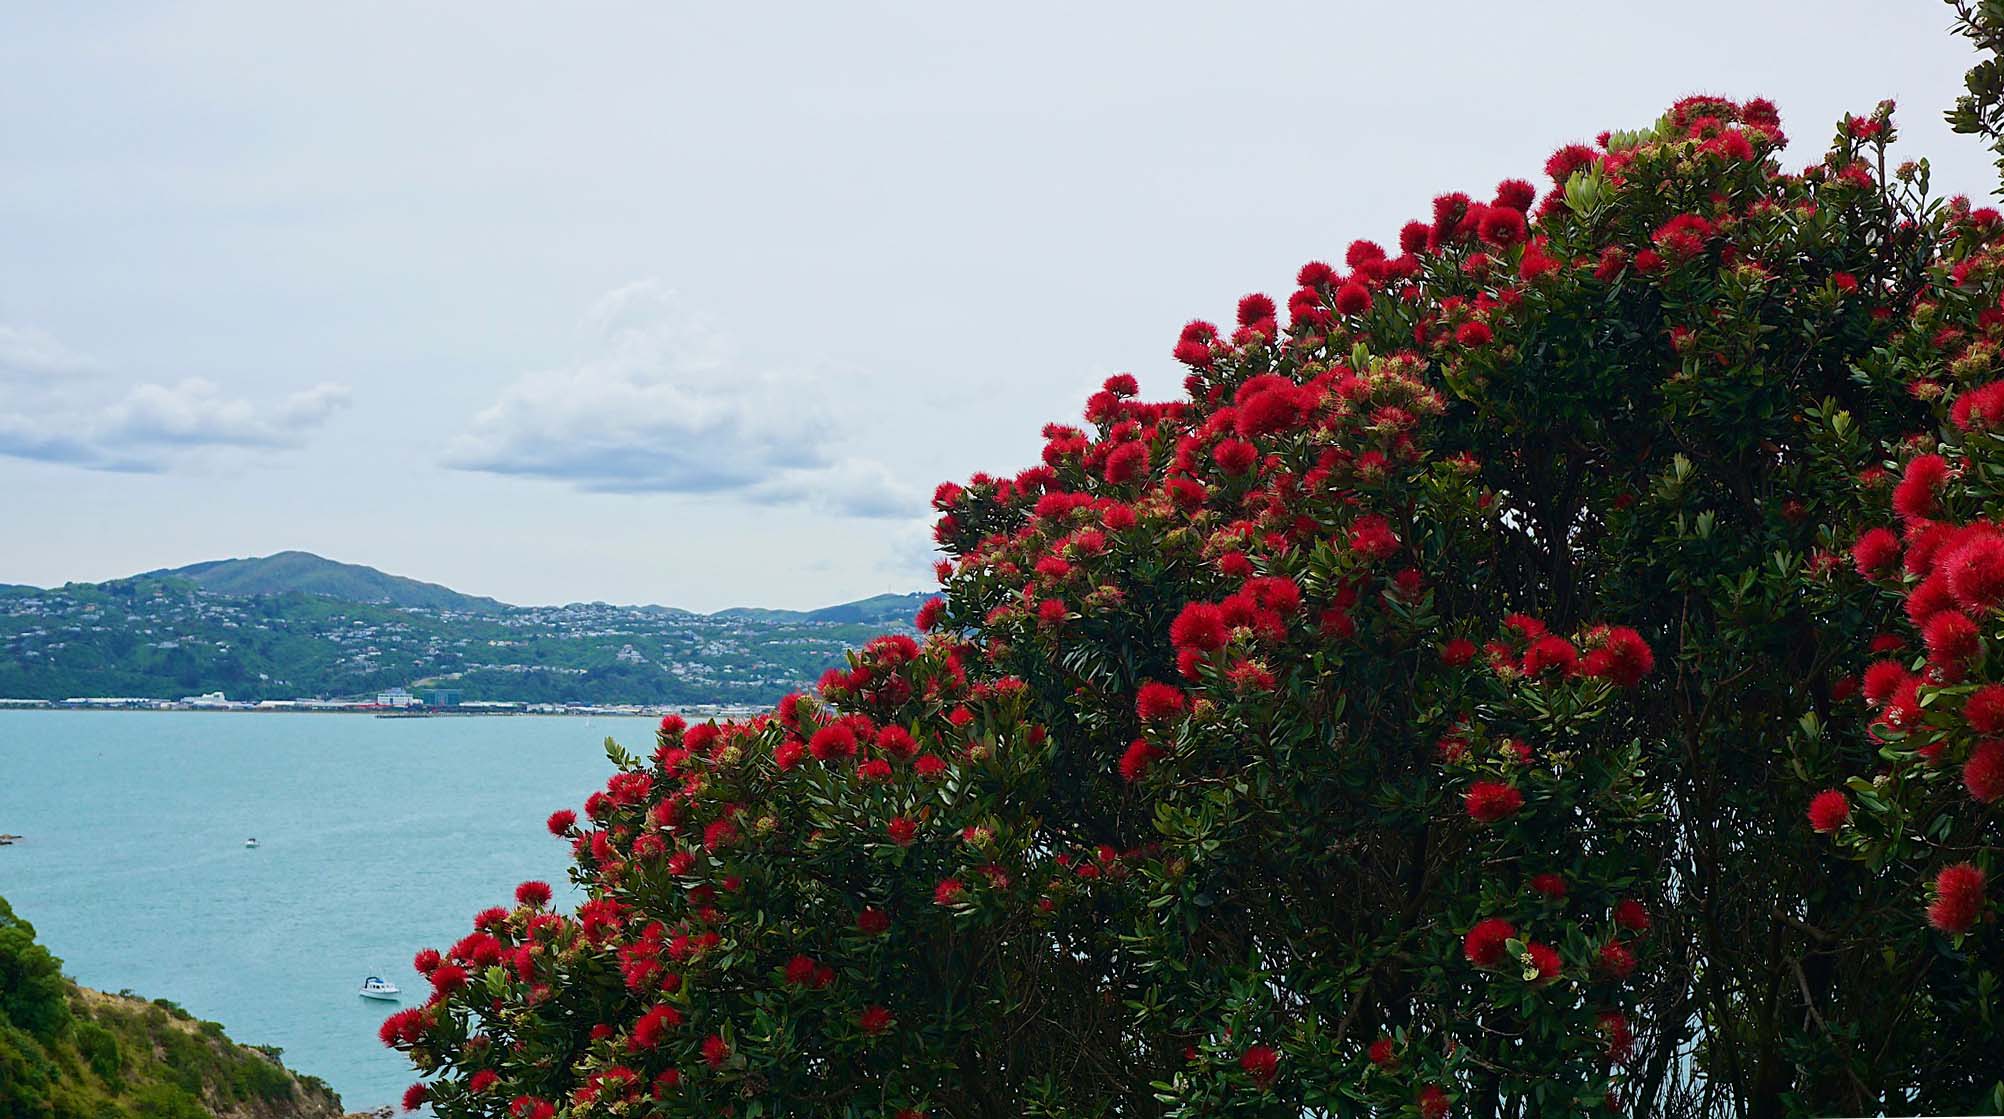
{"x":883,"y":609}
{"x":170,"y":637}
{"x":306,"y":573}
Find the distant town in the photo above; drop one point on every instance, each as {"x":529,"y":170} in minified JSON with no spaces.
{"x":396,"y":703}
{"x":295,"y":632}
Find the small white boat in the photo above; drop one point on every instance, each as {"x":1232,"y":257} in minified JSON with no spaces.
{"x":374,"y":988}
{"x":250,"y":842}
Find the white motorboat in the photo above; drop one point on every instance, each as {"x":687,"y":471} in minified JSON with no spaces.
{"x":252,"y":842}
{"x":374,"y":988}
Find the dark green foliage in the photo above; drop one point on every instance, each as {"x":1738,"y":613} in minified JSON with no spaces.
{"x":31,"y":980}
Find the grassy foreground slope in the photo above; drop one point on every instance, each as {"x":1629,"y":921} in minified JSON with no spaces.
{"x":67,"y":1052}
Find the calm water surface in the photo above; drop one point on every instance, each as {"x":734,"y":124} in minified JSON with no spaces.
{"x":378,"y":837}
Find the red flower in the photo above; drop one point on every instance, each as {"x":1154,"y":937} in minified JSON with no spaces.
{"x":1473,"y":334}
{"x":800,"y":971}
{"x":1980,"y":409}
{"x":1974,"y":569}
{"x":1158,"y":701}
{"x":1550,"y":885}
{"x":1544,"y":960}
{"x":1433,"y":1103}
{"x":653,"y":1026}
{"x":1882,"y":680}
{"x":1269,"y":404}
{"x":1565,"y":161}
{"x":1683,"y":236}
{"x":1200,"y":625}
{"x":1875,"y":552}
{"x":1503,"y":226}
{"x":832,"y":742}
{"x":928,"y":615}
{"x":1551,"y":652}
{"x":404,"y":1027}
{"x":1617,"y":960}
{"x":1958,"y":899}
{"x":1413,"y":237}
{"x":1261,"y":1063}
{"x":719,"y":834}
{"x":1619,"y":1035}
{"x":1630,"y":915}
{"x":1951,"y":639}
{"x":1915,"y":495}
{"x":1354,"y":298}
{"x":1254,"y":310}
{"x":874,"y":1020}
{"x":1516,"y":194}
{"x":1126,"y":463}
{"x":482,"y":1080}
{"x":1457,"y":651}
{"x":1380,"y":1053}
{"x":1619,"y":654}
{"x":1984,"y":709}
{"x":1371,"y":536}
{"x":533,"y":894}
{"x":1134,"y":763}
{"x":1490,"y":801}
{"x":873,"y":921}
{"x":929,"y":767}
{"x":1235,"y":456}
{"x":1363,"y":253}
{"x":1315,"y":274}
{"x":1828,"y":810}
{"x":902,"y":830}
{"x":447,"y":978}
{"x":415,"y":1096}
{"x":562,"y":820}
{"x":716,"y":1050}
{"x":1485,"y":942}
{"x":1983,"y":773}
{"x":949,"y":891}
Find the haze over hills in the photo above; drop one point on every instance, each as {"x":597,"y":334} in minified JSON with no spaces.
{"x":298,"y":626}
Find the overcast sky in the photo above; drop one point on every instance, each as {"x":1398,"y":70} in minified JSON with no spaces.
{"x":694,"y":304}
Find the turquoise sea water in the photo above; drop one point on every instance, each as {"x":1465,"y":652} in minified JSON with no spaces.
{"x":378,"y":837}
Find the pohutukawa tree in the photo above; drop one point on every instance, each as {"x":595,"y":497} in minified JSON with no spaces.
{"x":1541,"y":669}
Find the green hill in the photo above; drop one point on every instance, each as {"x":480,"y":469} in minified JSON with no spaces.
{"x":883,"y":609}
{"x":306,"y":573}
{"x":67,"y":1052}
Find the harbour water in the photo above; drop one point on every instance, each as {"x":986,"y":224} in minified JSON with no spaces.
{"x":376,"y":837}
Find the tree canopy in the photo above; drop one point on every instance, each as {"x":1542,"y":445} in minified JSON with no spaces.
{"x":1436,"y":709}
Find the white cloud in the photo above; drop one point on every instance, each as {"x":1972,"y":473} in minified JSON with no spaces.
{"x":151,"y":427}
{"x":659,"y":404}
{"x":31,"y":354}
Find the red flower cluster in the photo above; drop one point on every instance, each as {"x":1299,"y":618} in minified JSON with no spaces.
{"x":1829,"y":810}
{"x":1484,"y":944}
{"x":1958,"y":899}
{"x":1262,"y":1063}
